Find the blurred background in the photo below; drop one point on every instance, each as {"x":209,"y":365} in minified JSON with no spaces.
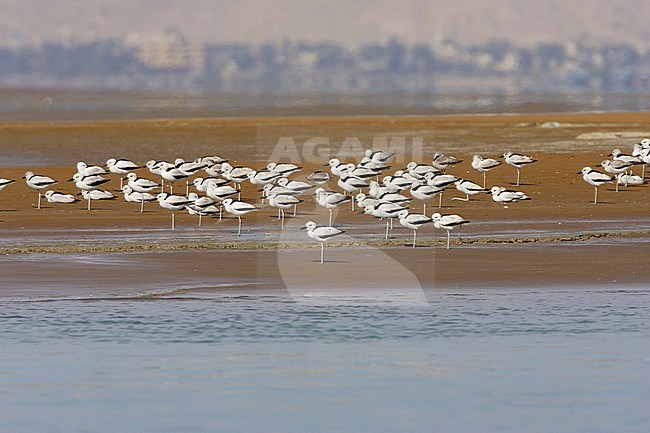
{"x":71,"y":59}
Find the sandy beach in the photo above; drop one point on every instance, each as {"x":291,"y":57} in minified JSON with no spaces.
{"x":558,"y":238}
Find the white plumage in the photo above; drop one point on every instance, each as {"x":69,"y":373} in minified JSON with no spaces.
{"x":59,"y":197}
{"x":468,"y":188}
{"x":284,"y":169}
{"x":484,"y":165}
{"x":5,"y":182}
{"x":379,"y":155}
{"x":322,"y":235}
{"x":238,"y":208}
{"x":518,"y":161}
{"x":502,"y":195}
{"x":413,"y":221}
{"x":384,"y":210}
{"x":173,"y":203}
{"x":448,"y":222}
{"x":97,"y":194}
{"x":329,"y":200}
{"x":595,"y":178}
{"x":136,"y":197}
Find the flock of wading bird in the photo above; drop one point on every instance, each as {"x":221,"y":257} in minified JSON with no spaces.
{"x":359,"y":183}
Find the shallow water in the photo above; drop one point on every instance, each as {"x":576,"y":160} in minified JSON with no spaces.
{"x":44,"y":104}
{"x":570,"y":360}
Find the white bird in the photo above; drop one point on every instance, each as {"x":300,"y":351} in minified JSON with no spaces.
{"x":38,"y":182}
{"x":211,"y":160}
{"x":468,"y":188}
{"x":88,"y":183}
{"x":171,"y":174}
{"x":442,"y":181}
{"x":154,"y":167}
{"x":87,"y":170}
{"x":59,"y":197}
{"x":363,"y":172}
{"x":420,"y":170}
{"x":97,"y":194}
{"x":201,"y":206}
{"x":376,"y":166}
{"x":594,"y":178}
{"x":351,"y":184}
{"x":443,"y":162}
{"x":190,"y":169}
{"x":448,"y":222}
{"x":376,"y":190}
{"x":337,"y":168}
{"x":238,"y":208}
{"x":643,"y":153}
{"x":629,"y":179}
{"x":364,"y":200}
{"x":142,"y":186}
{"x":618,"y":155}
{"x":136,"y":197}
{"x":236,"y":175}
{"x":319,"y":177}
{"x":386,"y":211}
{"x":413,"y":221}
{"x":213,"y":170}
{"x":121,"y":167}
{"x":329,"y":200}
{"x":399,"y":181}
{"x":502,"y":195}
{"x":201,"y":212}
{"x":201,"y":184}
{"x":322,"y":235}
{"x":393,"y":197}
{"x":284,"y":169}
{"x":616,"y":167}
{"x":274,"y":189}
{"x":173,"y":203}
{"x":424,"y":192}
{"x":5,"y":182}
{"x":379,"y":155}
{"x":296,"y":186}
{"x":484,"y":165}
{"x":220,"y":193}
{"x":518,"y":161}
{"x":282,"y":202}
{"x":261,"y":178}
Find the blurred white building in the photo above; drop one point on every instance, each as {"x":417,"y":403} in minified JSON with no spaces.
{"x":166,"y":50}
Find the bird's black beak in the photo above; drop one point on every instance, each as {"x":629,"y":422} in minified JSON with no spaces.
{"x":579,"y":172}
{"x":325,"y":165}
{"x":70,"y":180}
{"x":303,"y":227}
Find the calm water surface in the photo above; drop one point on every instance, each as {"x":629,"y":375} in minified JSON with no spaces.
{"x":563,"y":360}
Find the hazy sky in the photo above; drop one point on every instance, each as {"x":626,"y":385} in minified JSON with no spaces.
{"x":468,"y":21}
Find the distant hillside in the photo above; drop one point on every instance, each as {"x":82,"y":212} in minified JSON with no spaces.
{"x":467,"y":21}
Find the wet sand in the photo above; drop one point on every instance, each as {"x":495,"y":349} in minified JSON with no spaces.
{"x":559,"y":238}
